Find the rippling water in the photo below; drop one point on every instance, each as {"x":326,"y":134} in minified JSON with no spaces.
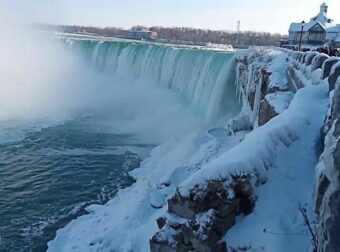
{"x":49,"y":176}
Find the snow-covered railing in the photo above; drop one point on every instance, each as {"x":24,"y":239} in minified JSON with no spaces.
{"x":312,"y":68}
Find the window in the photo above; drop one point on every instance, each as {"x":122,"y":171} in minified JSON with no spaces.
{"x":316,"y":36}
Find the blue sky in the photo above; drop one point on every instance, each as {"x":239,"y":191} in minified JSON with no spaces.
{"x":259,"y":15}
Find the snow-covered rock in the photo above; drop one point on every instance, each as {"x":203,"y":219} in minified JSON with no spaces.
{"x":327,"y":189}
{"x":274,"y":104}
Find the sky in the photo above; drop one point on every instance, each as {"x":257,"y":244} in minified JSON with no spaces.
{"x":256,"y":15}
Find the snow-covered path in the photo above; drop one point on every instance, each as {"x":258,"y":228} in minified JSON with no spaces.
{"x":276,"y":223}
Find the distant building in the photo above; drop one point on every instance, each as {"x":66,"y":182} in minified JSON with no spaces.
{"x":320,"y":30}
{"x":139,"y":34}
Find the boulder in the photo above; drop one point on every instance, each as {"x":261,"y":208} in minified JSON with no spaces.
{"x":274,"y":104}
{"x":207,"y":229}
{"x":207,"y":213}
{"x":168,"y":240}
{"x":215,"y":196}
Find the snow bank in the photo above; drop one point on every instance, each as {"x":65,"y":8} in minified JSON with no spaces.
{"x":276,"y":224}
{"x":259,"y":149}
{"x":279,"y":100}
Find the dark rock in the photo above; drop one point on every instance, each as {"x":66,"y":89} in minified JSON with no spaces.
{"x":266,"y":112}
{"x":244,"y":193}
{"x":323,"y":186}
{"x":168,"y":240}
{"x":210,"y":212}
{"x":181,"y":206}
{"x":206,"y":233}
{"x":161,"y":221}
{"x":214,"y":196}
{"x":251,"y":99}
{"x":273,"y":104}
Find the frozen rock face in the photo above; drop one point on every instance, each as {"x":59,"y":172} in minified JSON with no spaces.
{"x":327,"y":194}
{"x":333,"y":76}
{"x":274,"y":104}
{"x":206,"y":215}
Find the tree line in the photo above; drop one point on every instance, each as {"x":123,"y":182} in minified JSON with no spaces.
{"x":178,"y":34}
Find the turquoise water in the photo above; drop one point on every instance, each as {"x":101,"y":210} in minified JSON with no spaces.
{"x":137,"y":95}
{"x":51,"y":175}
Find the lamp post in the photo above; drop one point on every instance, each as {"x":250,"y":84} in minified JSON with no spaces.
{"x":302,"y":25}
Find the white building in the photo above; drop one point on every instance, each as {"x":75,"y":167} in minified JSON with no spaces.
{"x":318,"y":31}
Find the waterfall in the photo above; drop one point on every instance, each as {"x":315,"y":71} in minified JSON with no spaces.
{"x":204,"y":78}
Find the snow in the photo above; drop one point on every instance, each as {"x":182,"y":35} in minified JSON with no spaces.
{"x":204,"y":220}
{"x":290,"y":182}
{"x":279,"y":100}
{"x":278,"y":68}
{"x":260,"y":147}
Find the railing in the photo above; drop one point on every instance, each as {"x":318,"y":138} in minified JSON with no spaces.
{"x":312,"y":68}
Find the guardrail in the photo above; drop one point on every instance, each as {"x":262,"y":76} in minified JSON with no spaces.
{"x":312,"y":68}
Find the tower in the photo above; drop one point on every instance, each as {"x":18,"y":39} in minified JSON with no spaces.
{"x":323,"y":8}
{"x":238,"y":26}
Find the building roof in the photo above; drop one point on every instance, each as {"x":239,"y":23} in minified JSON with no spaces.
{"x":295,"y":27}
{"x":320,"y":19}
{"x":334,"y":28}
